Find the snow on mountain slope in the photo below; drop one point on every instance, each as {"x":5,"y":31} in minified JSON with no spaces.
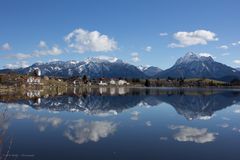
{"x":194,"y":66}
{"x":149,"y":70}
{"x":95,"y":67}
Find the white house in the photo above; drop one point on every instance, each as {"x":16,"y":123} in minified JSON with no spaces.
{"x":30,"y":80}
{"x":112,"y":82}
{"x":34,"y":80}
{"x":102,"y":83}
{"x":122,"y":82}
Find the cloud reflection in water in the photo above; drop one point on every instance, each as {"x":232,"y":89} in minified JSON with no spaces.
{"x":81,"y":131}
{"x":190,"y":134}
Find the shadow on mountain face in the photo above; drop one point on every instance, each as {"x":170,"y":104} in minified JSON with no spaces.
{"x":192,"y":104}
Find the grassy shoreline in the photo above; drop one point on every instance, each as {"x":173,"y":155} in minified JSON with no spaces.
{"x":14,"y":90}
{"x":16,"y":83}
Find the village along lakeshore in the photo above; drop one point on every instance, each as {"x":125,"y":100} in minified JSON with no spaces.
{"x":12,"y":82}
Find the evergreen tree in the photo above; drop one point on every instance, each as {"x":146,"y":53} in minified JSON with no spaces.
{"x":147,"y":83}
{"x":85,"y":79}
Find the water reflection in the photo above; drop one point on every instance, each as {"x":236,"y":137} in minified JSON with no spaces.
{"x":197,"y":135}
{"x":192,"y":104}
{"x":5,"y":140}
{"x":135,"y":115}
{"x":80,"y":131}
{"x":152,"y":118}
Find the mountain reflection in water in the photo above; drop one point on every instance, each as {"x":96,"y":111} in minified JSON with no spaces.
{"x":108,"y":121}
{"x":190,"y":103}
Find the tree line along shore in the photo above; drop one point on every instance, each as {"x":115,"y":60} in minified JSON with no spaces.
{"x":18,"y":81}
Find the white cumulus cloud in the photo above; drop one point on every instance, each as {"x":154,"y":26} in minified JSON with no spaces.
{"x":42,"y":44}
{"x":54,"y":51}
{"x":223,"y":47}
{"x":236,"y":61}
{"x":53,"y":60}
{"x":235,"y":43}
{"x":5,"y":47}
{"x":19,"y":56}
{"x":204,"y":54}
{"x":163,"y":34}
{"x":197,"y":37}
{"x":148,"y":49}
{"x":135,"y":57}
{"x":225,"y":54}
{"x":81,"y":41}
{"x":21,"y":64}
{"x":174,"y":45}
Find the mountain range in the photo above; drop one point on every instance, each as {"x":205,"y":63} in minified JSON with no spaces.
{"x":95,"y":67}
{"x":190,"y":65}
{"x":194,"y":66}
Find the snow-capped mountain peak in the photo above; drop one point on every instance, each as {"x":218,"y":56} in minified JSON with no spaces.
{"x":190,"y":57}
{"x":149,"y":70}
{"x":143,"y":67}
{"x":196,"y":66}
{"x":189,"y":66}
{"x":95,"y":67}
{"x":73,"y":62}
{"x":101,"y":59}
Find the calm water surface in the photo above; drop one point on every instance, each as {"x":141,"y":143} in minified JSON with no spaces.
{"x":121,"y":123}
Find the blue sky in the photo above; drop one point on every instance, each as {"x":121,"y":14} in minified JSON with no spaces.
{"x":141,"y":32}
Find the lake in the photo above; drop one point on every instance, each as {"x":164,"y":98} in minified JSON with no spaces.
{"x":121,"y":123}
